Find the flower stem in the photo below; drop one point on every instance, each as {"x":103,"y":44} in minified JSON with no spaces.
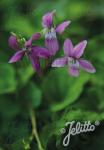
{"x":34,"y":129}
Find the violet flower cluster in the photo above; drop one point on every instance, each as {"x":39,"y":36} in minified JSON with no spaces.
{"x":72,"y":54}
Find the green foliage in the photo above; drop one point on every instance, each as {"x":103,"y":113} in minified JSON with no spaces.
{"x":56,"y":96}
{"x":33,"y":95}
{"x":7,"y":79}
{"x":8,"y":108}
{"x":19,"y":21}
{"x":24,"y":73}
{"x":63,"y":89}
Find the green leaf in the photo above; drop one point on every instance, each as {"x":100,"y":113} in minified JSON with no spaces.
{"x":61,"y":87}
{"x":7,"y":79}
{"x":81,"y":115}
{"x":20,"y":24}
{"x":77,"y":9}
{"x":17,"y":145}
{"x":8,"y":106}
{"x":95,"y":44}
{"x":33,"y":95}
{"x":96,"y":47}
{"x":24,"y":73}
{"x":16,"y":131}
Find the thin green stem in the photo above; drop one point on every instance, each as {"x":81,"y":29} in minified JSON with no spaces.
{"x":34,"y":129}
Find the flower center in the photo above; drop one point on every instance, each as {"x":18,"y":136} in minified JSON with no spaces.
{"x":24,"y":49}
{"x":73,"y":62}
{"x":50,"y":34}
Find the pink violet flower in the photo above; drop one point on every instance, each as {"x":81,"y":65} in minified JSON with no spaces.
{"x":73,"y":58}
{"x":51,"y":31}
{"x":33,"y":52}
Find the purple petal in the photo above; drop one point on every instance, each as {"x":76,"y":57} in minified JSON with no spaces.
{"x":68,"y":47}
{"x":35,"y":63}
{"x":47,"y":19}
{"x":35,"y":36}
{"x":84,"y":64}
{"x":13,"y":42}
{"x":79,"y":49}
{"x":61,"y":27}
{"x":60,"y":62}
{"x":52,"y":45}
{"x":17,"y":56}
{"x":28,"y":43}
{"x":73,"y":71}
{"x":40,"y":52}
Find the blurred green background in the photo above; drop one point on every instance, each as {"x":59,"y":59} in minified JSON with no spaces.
{"x":57,"y":97}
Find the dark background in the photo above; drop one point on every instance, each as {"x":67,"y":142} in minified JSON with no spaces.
{"x":57,"y":97}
